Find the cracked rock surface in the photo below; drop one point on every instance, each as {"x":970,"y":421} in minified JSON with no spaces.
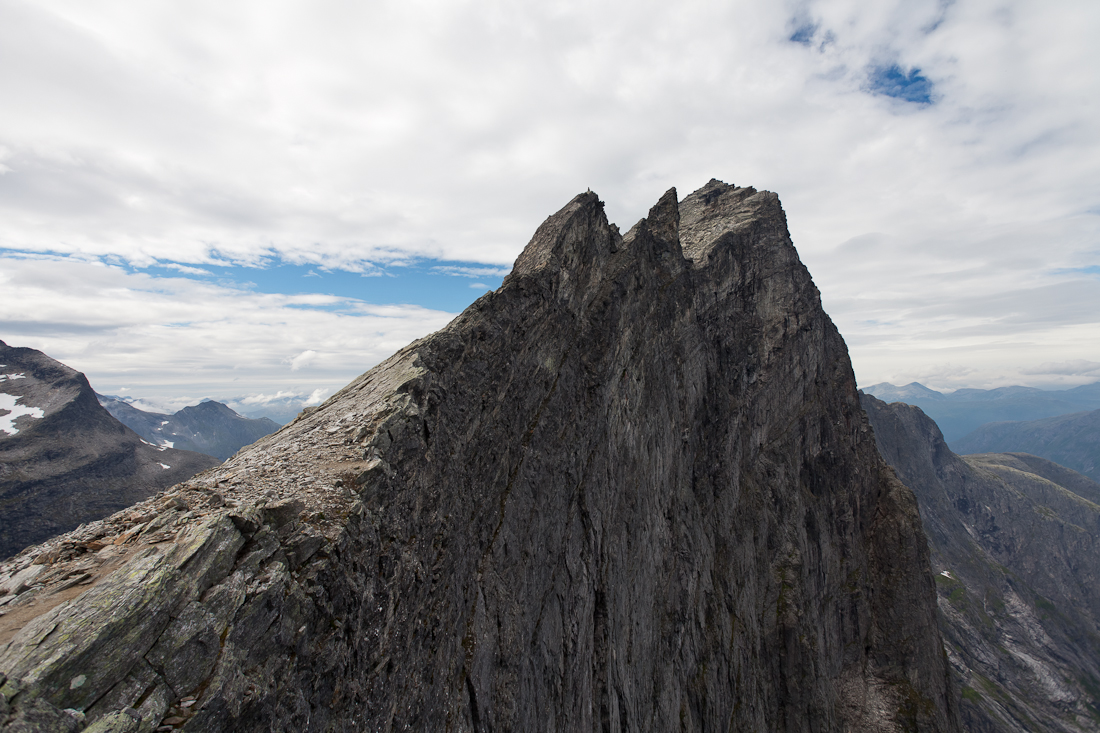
{"x":632,"y":489}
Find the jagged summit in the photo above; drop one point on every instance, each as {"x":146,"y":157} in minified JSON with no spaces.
{"x":632,"y":489}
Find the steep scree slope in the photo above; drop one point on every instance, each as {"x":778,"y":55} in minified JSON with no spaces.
{"x":63,"y":459}
{"x":1014,"y":545}
{"x":633,"y":489}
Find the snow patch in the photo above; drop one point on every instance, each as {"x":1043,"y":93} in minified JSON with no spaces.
{"x":166,"y":444}
{"x":8,"y":403}
{"x":10,"y":377}
{"x":947,"y":575}
{"x":164,"y":465}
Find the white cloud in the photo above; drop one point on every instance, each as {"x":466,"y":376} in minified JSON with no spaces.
{"x":348,"y":135}
{"x":316,"y":396}
{"x":1074,"y":368}
{"x":174,"y":341}
{"x":187,"y":270}
{"x":265,"y":399}
{"x":472,"y":271}
{"x":302,"y":359}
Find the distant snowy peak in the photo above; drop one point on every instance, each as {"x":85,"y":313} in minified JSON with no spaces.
{"x":66,"y":460}
{"x":32,"y":387}
{"x":209,"y":427}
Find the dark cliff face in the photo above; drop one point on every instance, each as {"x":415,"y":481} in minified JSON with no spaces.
{"x":1014,"y":546}
{"x":70,"y":461}
{"x":633,"y":489}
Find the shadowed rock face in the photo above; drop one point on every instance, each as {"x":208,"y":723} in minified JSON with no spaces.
{"x":633,"y":489}
{"x":1017,"y":561}
{"x":63,"y":459}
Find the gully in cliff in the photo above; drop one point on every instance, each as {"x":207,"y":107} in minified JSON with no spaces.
{"x":632,"y":489}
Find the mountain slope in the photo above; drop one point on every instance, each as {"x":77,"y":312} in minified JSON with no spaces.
{"x":633,"y":489}
{"x":208,"y":427}
{"x":1070,"y":440}
{"x":963,"y":411}
{"x":1015,"y":543}
{"x":63,"y":459}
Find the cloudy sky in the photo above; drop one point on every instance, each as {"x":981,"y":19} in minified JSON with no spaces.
{"x":256,"y":201}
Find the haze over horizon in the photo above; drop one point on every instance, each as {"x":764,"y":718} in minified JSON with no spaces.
{"x":255,"y":203}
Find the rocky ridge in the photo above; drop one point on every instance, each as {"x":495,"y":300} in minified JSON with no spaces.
{"x":632,"y":489}
{"x":1015,"y":549}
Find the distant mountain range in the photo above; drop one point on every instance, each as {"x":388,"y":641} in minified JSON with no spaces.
{"x":963,"y":411}
{"x":1015,"y":543}
{"x":208,"y":427}
{"x":65,"y":460}
{"x":1070,"y":440}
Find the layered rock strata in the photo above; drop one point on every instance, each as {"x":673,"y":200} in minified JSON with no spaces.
{"x":632,"y":489}
{"x":1015,"y":549}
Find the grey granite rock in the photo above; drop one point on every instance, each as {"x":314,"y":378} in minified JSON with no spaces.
{"x":632,"y":489}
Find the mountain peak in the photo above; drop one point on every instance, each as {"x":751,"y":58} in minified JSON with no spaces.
{"x":64,"y":459}
{"x":631,"y":489}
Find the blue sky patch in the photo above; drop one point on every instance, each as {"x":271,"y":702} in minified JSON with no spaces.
{"x":892,"y":81}
{"x":436,"y":284}
{"x":804,"y":34}
{"x":445,"y":285}
{"x":1090,"y":270}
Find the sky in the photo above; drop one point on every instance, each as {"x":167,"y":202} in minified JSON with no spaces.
{"x":256,"y":202}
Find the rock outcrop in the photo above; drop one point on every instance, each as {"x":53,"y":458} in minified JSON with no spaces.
{"x":1015,"y":545}
{"x":208,"y":427}
{"x":63,"y":459}
{"x":632,"y":489}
